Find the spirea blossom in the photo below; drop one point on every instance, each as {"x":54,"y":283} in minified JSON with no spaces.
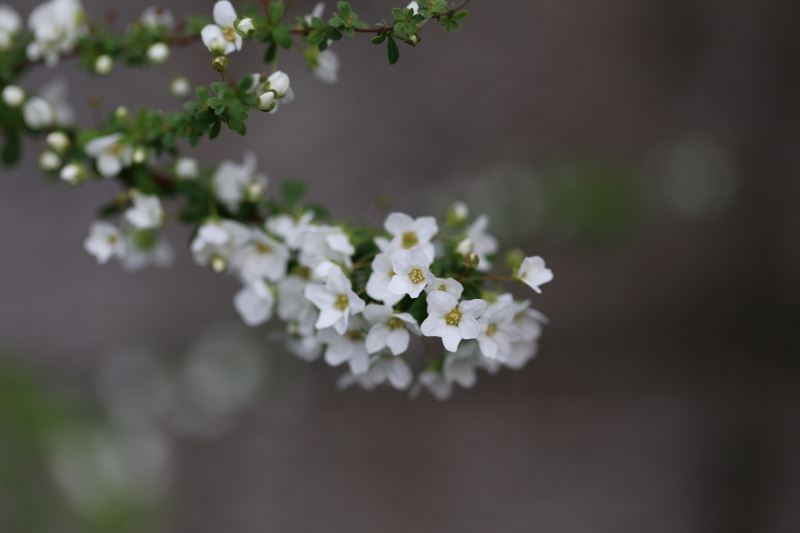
{"x":335,"y":300}
{"x":451,"y":320}
{"x":56,"y":26}
{"x":111,"y":154}
{"x":104,"y":241}
{"x":221,"y":37}
{"x":533,"y":273}
{"x":236,"y":183}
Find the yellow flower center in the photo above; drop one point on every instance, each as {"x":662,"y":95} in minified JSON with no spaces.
{"x":229,"y":34}
{"x":416,"y":276}
{"x":262,"y":248}
{"x":394,"y":323}
{"x":355,"y":335}
{"x":342,"y":301}
{"x":491,"y":330}
{"x":409,"y":239}
{"x":453,"y":317}
{"x":303,"y":272}
{"x":442,"y":287}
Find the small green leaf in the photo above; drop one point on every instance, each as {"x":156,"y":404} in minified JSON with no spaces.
{"x":394,"y":52}
{"x":282,"y":36}
{"x":215,"y":129}
{"x":293,"y":190}
{"x":379,"y":39}
{"x":269,"y":55}
{"x":344,"y":9}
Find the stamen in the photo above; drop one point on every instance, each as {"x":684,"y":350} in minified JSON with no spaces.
{"x":342,"y":302}
{"x":453,"y":317}
{"x":416,"y":276}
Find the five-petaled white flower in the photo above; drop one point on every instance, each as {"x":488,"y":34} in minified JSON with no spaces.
{"x":104,"y":241}
{"x":449,"y":285}
{"x":49,"y":108}
{"x":335,"y":300}
{"x":323,"y":248}
{"x":10,"y":24}
{"x":306,"y":347}
{"x":497,"y":331}
{"x":408,"y":232}
{"x":459,"y":367}
{"x":349,"y":346}
{"x":289,"y":229}
{"x":389,"y":330}
{"x":221,"y":37}
{"x":378,"y":282}
{"x":235,"y":183}
{"x":111,"y":154}
{"x":262,"y":257}
{"x":216,"y":241}
{"x":146,"y":212}
{"x":325,"y":67}
{"x":435,"y":382}
{"x":155,"y":17}
{"x":186,"y":168}
{"x":254,"y":303}
{"x":483,"y":244}
{"x":411,"y":272}
{"x":450,"y":320}
{"x":382,"y":368}
{"x":294,"y":307}
{"x":533,"y":273}
{"x":146,"y":248}
{"x":56,"y":26}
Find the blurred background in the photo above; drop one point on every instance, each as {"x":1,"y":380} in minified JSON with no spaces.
{"x":648,"y":150}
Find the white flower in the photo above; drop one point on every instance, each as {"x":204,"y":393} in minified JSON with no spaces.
{"x":146,"y":248}
{"x":317,"y":12}
{"x":294,"y":307}
{"x":10,"y":24}
{"x":180,"y":87}
{"x":58,"y":141}
{"x":56,"y":26}
{"x":262,"y":257}
{"x":349,"y":346}
{"x":111,"y":154}
{"x":459,"y":367}
{"x":266,"y":102}
{"x":235,"y":183}
{"x":323,"y":248}
{"x":449,"y":285}
{"x":278,"y":82}
{"x":450,"y":320}
{"x":378,"y":282}
{"x":146,"y":212}
{"x":55,"y":93}
{"x":158,"y":53}
{"x":104,"y":65}
{"x":216,"y":241}
{"x":411,"y":272}
{"x":326,"y":68}
{"x":434,"y":381}
{"x":497,"y":331}
{"x":307,"y":347}
{"x":73,"y":173}
{"x":49,"y":161}
{"x":245,"y":28}
{"x":13,"y":95}
{"x":408,"y":232}
{"x":335,"y":300}
{"x":389,"y":329}
{"x":104,"y":241}
{"x":186,"y":168}
{"x":155,"y":17}
{"x":289,"y":229}
{"x":413,"y":6}
{"x":254,"y":303}
{"x":521,"y":353}
{"x":38,"y":113}
{"x":483,"y":244}
{"x":533,"y":273}
{"x":390,"y":368}
{"x":527,"y":321}
{"x":221,"y":37}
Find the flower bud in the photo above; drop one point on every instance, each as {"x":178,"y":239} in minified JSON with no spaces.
{"x":246,"y":27}
{"x":139,"y":155}
{"x":464,"y":247}
{"x":471,"y":260}
{"x":254,"y":191}
{"x":278,"y":82}
{"x":13,"y":96}
{"x":74,"y":173}
{"x":49,"y":161}
{"x":5,"y":40}
{"x":456,"y":214}
{"x":217,"y":47}
{"x":58,"y":141}
{"x":158,"y":54}
{"x":104,"y":65}
{"x":266,"y":102}
{"x":121,"y":114}
{"x":218,"y":263}
{"x":180,"y":87}
{"x":220,"y":63}
{"x":514,"y":259}
{"x":413,"y":40}
{"x":186,"y":168}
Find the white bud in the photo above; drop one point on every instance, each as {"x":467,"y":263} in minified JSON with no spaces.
{"x":158,"y":54}
{"x":186,"y":168}
{"x":460,"y":210}
{"x":266,"y":102}
{"x":49,"y":161}
{"x":278,"y":82}
{"x":5,"y":40}
{"x":58,"y":141}
{"x":246,"y":27}
{"x":74,"y":173}
{"x":217,"y":47}
{"x":104,"y":65}
{"x":13,"y":96}
{"x":180,"y":87}
{"x":464,"y":247}
{"x":139,"y":155}
{"x":121,"y":114}
{"x":254,"y":191}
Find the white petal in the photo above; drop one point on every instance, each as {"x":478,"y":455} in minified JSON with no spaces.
{"x":397,"y":223}
{"x":359,"y":362}
{"x":376,"y":338}
{"x":400,"y":375}
{"x":468,"y":327}
{"x":108,"y":165}
{"x":451,"y":338}
{"x":411,"y":322}
{"x":401,"y":284}
{"x":418,"y":257}
{"x":356,"y":303}
{"x":401,"y":262}
{"x":224,"y":14}
{"x":433,"y":326}
{"x":211,"y":34}
{"x":320,"y":296}
{"x":341,"y":325}
{"x":377,"y":313}
{"x":253,"y":309}
{"x":338,"y":282}
{"x":397,"y":341}
{"x":472,"y":307}
{"x":336,"y":354}
{"x":440,"y":303}
{"x":426,"y":228}
{"x":328,"y":317}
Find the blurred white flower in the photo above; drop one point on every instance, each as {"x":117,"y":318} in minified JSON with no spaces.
{"x":435,"y":382}
{"x":335,"y":300}
{"x":449,"y":285}
{"x":307,"y":347}
{"x":58,"y":141}
{"x":389,"y":330}
{"x":56,"y":26}
{"x":323,"y":248}
{"x":289,"y":229}
{"x":533,"y":273}
{"x":294,"y":307}
{"x":261,"y":257}
{"x":155,"y":17}
{"x":49,"y":161}
{"x":235,"y":183}
{"x":327,"y":66}
{"x":110,"y":153}
{"x":408,"y":232}
{"x":411,"y":272}
{"x":382,"y":368}
{"x":254,"y":303}
{"x":450,"y":320}
{"x":180,"y":87}
{"x":348,"y":347}
{"x":459,"y":367}
{"x":104,"y":241}
{"x":146,"y":212}
{"x":497,"y":331}
{"x":146,"y":248}
{"x":10,"y":24}
{"x":483,"y":244}
{"x":221,"y":37}
{"x":379,"y":280}
{"x":103,"y":65}
{"x":38,"y":113}
{"x":216,"y":241}
{"x":158,"y":53}
{"x":186,"y":168}
{"x":13,"y":96}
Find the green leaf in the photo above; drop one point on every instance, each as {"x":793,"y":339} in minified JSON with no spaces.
{"x":345,"y":9}
{"x":394,"y":52}
{"x":419,"y":310}
{"x":12,"y":147}
{"x":399,"y":14}
{"x":379,"y":39}
{"x":202,"y":93}
{"x":282,"y":36}
{"x":461,"y":15}
{"x":293,"y":190}
{"x":215,"y":129}
{"x":276,"y":12}
{"x":246,"y":84}
{"x":269,"y":55}
{"x":205,"y":117}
